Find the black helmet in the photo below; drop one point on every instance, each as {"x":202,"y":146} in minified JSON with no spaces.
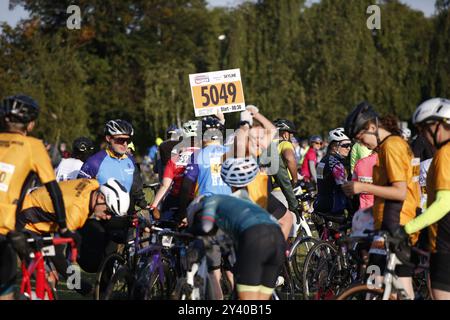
{"x":82,"y":145}
{"x":211,"y":122}
{"x":358,"y":118}
{"x":117,"y":127}
{"x":20,"y":108}
{"x":285,"y":125}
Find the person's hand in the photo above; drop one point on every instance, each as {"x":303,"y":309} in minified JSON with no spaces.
{"x":155,"y":212}
{"x":66,"y":233}
{"x":252,"y":109}
{"x":351,"y":188}
{"x":246,"y":117}
{"x":220,"y":115}
{"x":183,"y":223}
{"x":400,"y":234}
{"x":18,"y":241}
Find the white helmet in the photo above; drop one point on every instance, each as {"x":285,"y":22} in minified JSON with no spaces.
{"x":433,"y":109}
{"x":337,"y":135}
{"x":239,"y":172}
{"x":190,"y":128}
{"x":116,"y":197}
{"x":406,"y":133}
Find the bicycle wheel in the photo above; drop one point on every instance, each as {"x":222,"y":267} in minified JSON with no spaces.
{"x":119,"y":287}
{"x":107,"y":269}
{"x":285,"y":285}
{"x":362,"y":292}
{"x":320,"y":271}
{"x":297,"y":257}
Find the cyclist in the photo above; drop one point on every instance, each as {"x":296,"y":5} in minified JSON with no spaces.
{"x":308,"y":169}
{"x":173,"y":175}
{"x":203,"y":174}
{"x":395,"y":177}
{"x":83,"y":199}
{"x":21,"y":158}
{"x":255,"y":138}
{"x":256,"y":235}
{"x":114,"y":162}
{"x":433,"y":119}
{"x":331,"y":175}
{"x":68,"y":169}
{"x":286,"y":130}
{"x":364,"y":173}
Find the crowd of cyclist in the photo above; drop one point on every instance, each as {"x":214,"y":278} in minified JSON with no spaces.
{"x":239,"y":186}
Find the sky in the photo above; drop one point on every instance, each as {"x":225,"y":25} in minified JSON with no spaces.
{"x":12,"y":17}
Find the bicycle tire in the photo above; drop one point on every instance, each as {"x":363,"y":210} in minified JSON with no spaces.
{"x":361,"y":292}
{"x":103,"y":275}
{"x":297,"y":256}
{"x":123,"y":280}
{"x":286,"y":291}
{"x":320,"y":273}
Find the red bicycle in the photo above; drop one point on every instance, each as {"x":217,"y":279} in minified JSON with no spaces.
{"x":42,"y":247}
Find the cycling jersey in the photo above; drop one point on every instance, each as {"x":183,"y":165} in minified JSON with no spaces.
{"x":258,"y":189}
{"x":68,"y":169}
{"x":233,"y":215}
{"x":175,"y":169}
{"x":105,"y":164}
{"x":359,"y":151}
{"x":204,"y":169}
{"x":396,"y":163}
{"x":364,"y":173}
{"x":331,"y":175}
{"x":439,"y":179}
{"x":38,"y":214}
{"x":311,"y":155}
{"x":19,"y":157}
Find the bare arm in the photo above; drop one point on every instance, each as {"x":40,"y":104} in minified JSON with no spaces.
{"x":166,"y":183}
{"x":396,"y":192}
{"x":289,"y":155}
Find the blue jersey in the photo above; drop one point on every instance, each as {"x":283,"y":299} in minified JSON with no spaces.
{"x":205,"y":170}
{"x":233,"y":215}
{"x":104,"y":165}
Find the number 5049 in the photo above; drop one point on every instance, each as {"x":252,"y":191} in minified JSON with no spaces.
{"x":212,"y":95}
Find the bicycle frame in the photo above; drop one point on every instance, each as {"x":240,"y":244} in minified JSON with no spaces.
{"x":38,"y":266}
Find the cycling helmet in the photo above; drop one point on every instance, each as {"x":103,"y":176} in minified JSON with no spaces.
{"x":337,"y":135}
{"x":82,"y":145}
{"x":172,"y":129}
{"x":406,"y":133}
{"x":211,"y":123}
{"x":285,"y":125}
{"x":358,"y":118}
{"x":239,"y":172}
{"x":432,"y":110}
{"x":117,"y":127}
{"x":117,"y":197}
{"x":190,"y":128}
{"x":313,"y":139}
{"x":20,"y":108}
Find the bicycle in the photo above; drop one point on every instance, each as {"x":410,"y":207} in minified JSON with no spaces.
{"x":391,"y":287}
{"x":39,"y":268}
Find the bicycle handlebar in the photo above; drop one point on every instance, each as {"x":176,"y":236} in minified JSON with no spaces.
{"x":47,"y":241}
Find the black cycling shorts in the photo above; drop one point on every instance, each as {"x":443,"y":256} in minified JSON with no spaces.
{"x":259,"y":256}
{"x":275,"y":207}
{"x":439,"y":271}
{"x":8,"y":267}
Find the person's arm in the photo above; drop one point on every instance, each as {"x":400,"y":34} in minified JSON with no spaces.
{"x":162,"y":191}
{"x":282,"y":179}
{"x":312,"y":170}
{"x":271,"y":130}
{"x":289,"y":156}
{"x":137,"y":190}
{"x":58,"y":204}
{"x":437,"y":210}
{"x":396,"y":192}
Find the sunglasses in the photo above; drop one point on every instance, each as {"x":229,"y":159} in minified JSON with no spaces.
{"x":122,"y":140}
{"x":346,"y":145}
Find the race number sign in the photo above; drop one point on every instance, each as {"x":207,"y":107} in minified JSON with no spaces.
{"x":219,"y":90}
